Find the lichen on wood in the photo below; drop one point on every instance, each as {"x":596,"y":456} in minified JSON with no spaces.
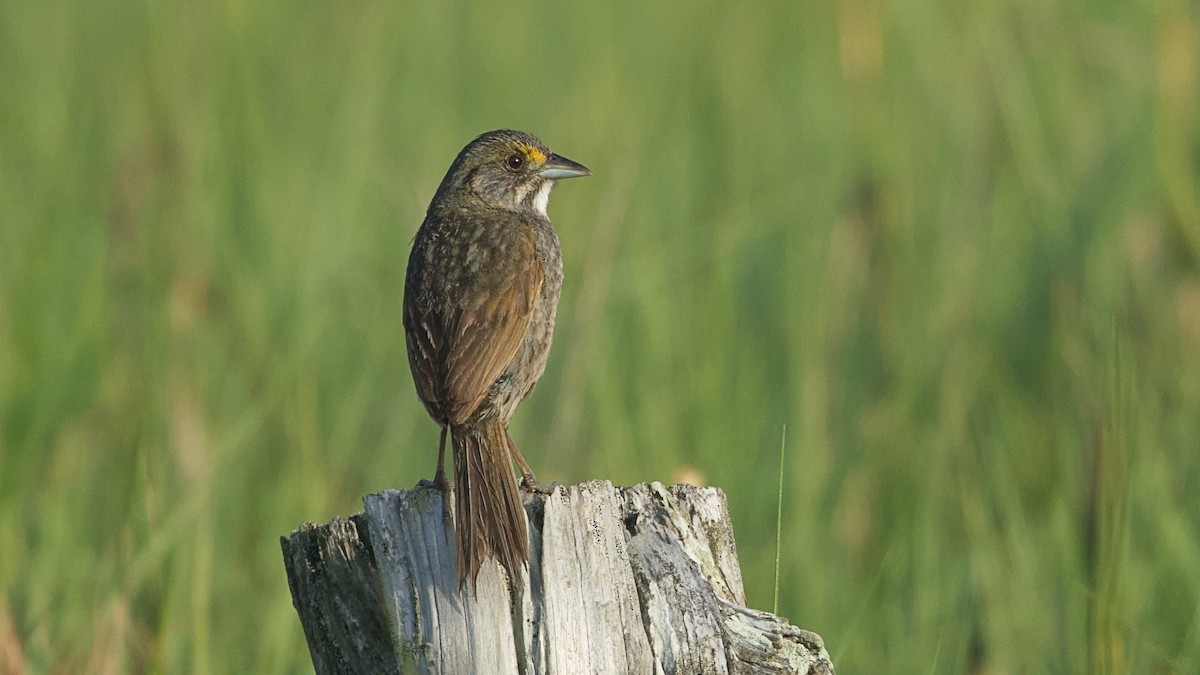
{"x":642,"y":579}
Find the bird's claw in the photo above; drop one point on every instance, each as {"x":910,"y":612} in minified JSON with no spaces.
{"x":531,"y":484}
{"x":438,"y":483}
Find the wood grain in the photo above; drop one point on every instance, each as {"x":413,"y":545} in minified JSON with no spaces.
{"x":642,"y":579}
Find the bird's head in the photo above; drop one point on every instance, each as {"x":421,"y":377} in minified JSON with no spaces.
{"x":508,"y":170}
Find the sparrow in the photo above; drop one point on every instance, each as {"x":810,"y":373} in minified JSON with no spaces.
{"x":480,"y":297}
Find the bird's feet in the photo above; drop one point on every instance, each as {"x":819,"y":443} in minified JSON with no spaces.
{"x":530,"y":483}
{"x":439,"y":481}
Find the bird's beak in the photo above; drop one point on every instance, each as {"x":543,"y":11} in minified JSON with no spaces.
{"x":557,"y":167}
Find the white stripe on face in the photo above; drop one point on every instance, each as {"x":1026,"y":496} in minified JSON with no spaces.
{"x":542,"y":198}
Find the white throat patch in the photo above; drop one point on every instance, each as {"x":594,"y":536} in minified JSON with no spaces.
{"x":542,"y":198}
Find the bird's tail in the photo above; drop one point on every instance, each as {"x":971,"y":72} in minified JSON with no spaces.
{"x":489,"y":517}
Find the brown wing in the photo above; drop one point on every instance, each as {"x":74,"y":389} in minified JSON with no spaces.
{"x":457,"y":349}
{"x":424,"y":333}
{"x":487,"y":334}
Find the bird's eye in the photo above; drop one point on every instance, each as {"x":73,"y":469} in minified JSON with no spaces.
{"x":514,"y":161}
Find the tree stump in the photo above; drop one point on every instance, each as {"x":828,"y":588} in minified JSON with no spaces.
{"x":621,"y":580}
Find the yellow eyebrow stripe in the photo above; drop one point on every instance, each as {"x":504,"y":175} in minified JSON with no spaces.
{"x":535,"y":154}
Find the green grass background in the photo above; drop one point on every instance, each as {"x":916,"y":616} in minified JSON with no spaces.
{"x":953,"y":246}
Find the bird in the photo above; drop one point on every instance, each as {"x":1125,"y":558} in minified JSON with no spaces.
{"x":480,"y":297}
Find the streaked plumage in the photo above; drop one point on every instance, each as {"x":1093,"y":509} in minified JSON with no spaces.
{"x":480,"y":299}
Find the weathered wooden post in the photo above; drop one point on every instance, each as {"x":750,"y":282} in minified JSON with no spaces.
{"x":621,"y":580}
